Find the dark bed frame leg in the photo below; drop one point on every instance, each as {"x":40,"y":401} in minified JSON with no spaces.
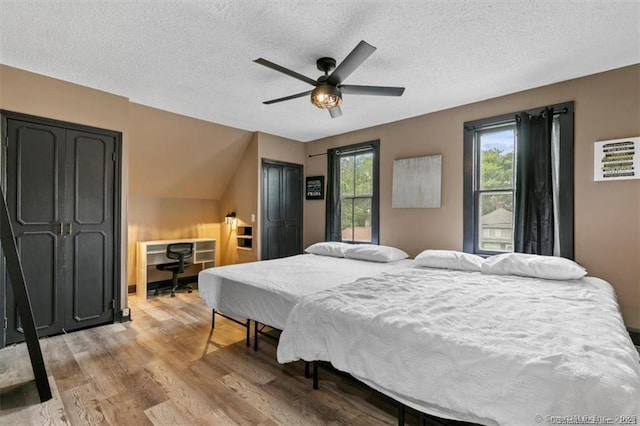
{"x":255,"y":335}
{"x":307,"y":370}
{"x":400,"y":414}
{"x":246,"y":325}
{"x":315,"y":375}
{"x":423,"y":420}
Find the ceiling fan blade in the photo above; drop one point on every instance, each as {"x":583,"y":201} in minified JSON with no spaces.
{"x":335,"y":112}
{"x":286,"y":98}
{"x":284,"y":70}
{"x":372,"y":90}
{"x":353,"y":60}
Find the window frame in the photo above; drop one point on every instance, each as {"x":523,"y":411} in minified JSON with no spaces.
{"x":333,"y":189}
{"x":566,"y":177}
{"x":478,"y":192}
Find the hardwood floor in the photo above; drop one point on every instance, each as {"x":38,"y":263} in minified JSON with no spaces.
{"x":167,"y":367}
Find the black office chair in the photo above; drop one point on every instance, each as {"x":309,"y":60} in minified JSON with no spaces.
{"x":179,"y":251}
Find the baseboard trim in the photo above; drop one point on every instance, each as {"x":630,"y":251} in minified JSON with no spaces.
{"x":635,"y":335}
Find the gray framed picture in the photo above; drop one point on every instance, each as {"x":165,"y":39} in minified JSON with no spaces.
{"x":417,"y":182}
{"x":314,"y":188}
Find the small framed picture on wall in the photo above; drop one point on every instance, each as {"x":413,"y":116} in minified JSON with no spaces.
{"x":314,"y":188}
{"x":617,"y":159}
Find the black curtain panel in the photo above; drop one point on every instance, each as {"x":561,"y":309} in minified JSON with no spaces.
{"x":534,"y":187}
{"x":333,"y":227}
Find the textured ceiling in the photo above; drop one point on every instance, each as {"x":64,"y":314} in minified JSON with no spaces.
{"x":194,"y":57}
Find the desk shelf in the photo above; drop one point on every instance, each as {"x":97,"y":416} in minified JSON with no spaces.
{"x":151,"y":253}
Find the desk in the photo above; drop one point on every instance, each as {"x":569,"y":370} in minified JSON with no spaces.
{"x":151,"y":253}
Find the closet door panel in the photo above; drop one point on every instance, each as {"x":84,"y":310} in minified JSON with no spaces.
{"x":92,"y":183}
{"x":34,"y":172}
{"x":35,"y":185}
{"x":272,"y":212}
{"x":90,"y":296}
{"x":39,"y":256}
{"x":291,"y":211}
{"x":91,"y":226}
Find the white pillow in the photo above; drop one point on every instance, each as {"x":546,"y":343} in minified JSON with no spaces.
{"x":374,"y":253}
{"x":449,"y":259}
{"x":328,"y":248}
{"x":533,"y":265}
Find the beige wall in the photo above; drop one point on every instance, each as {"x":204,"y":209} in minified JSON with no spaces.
{"x":241,"y":197}
{"x":179,"y":169}
{"x":281,"y":149}
{"x":607,"y":214}
{"x":173,"y":156}
{"x":243,"y":194}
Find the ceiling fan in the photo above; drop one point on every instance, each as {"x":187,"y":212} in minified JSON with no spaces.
{"x":328,"y":87}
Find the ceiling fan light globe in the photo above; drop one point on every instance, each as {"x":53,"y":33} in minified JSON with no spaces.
{"x":326,"y":96}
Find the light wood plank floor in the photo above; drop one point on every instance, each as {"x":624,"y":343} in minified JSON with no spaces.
{"x":167,"y":367}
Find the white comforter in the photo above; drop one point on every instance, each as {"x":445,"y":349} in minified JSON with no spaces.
{"x":266,"y":291}
{"x":483,"y":348}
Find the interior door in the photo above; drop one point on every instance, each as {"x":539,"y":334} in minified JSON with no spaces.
{"x":35,"y":183}
{"x":291,"y":233}
{"x":61,"y":196}
{"x":281,"y":209}
{"x":89,"y":232}
{"x":272,"y":212}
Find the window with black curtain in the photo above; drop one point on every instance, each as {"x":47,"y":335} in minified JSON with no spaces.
{"x":352,"y":193}
{"x":518,"y":182}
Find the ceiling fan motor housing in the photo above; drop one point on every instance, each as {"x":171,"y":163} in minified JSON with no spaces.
{"x":326,"y":64}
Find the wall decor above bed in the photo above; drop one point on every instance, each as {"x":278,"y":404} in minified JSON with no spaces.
{"x":616,"y":159}
{"x":417,"y":182}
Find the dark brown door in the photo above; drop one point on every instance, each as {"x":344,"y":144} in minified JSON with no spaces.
{"x":281,"y":209}
{"x":60,"y":196}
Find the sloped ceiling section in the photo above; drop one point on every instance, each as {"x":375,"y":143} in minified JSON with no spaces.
{"x":195,"y":57}
{"x":174,"y":156}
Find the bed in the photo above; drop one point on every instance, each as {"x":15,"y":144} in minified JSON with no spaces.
{"x":266,"y":291}
{"x":475,"y":346}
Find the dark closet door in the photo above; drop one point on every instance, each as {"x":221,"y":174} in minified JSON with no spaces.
{"x":281,"y":209}
{"x":60,"y":194}
{"x":35,"y":184}
{"x":90,"y":219}
{"x":291,"y":211}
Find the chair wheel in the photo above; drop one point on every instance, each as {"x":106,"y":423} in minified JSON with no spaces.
{"x":189,"y":291}
{"x":173,"y":295}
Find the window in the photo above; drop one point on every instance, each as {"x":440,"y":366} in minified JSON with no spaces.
{"x":495,"y":190}
{"x":352,"y":193}
{"x":492,"y":189}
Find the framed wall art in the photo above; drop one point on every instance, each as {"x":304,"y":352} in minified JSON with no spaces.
{"x":314,"y":188}
{"x":616,"y":159}
{"x":417,"y":182}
